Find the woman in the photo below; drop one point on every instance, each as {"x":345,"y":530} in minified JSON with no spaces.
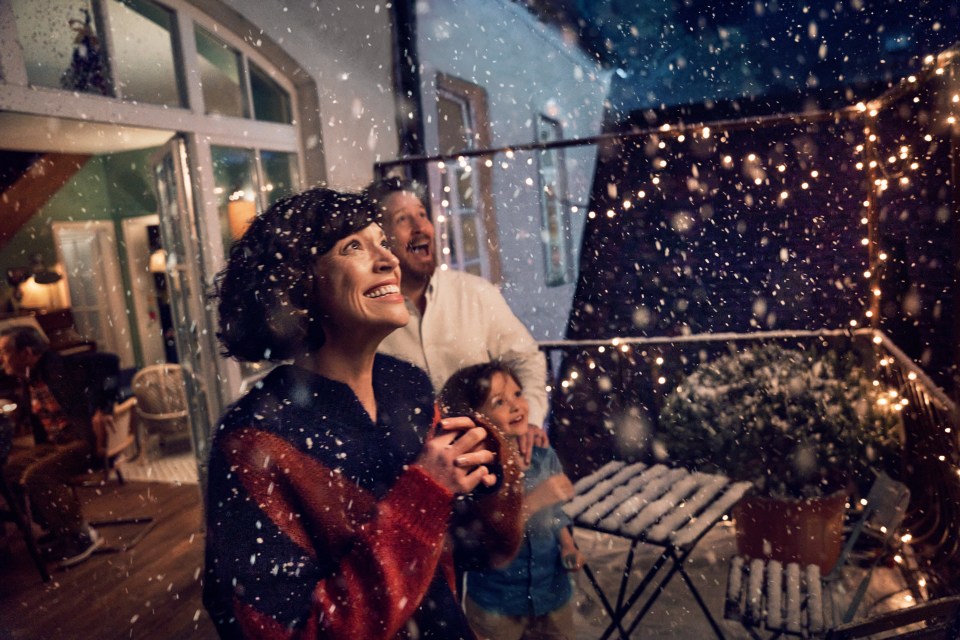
{"x":327,"y":502}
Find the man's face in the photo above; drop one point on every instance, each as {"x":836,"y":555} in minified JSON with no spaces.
{"x":15,"y":362}
{"x":410,"y":233}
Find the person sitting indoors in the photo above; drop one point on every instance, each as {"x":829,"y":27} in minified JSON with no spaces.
{"x":70,"y":412}
{"x":331,"y":483}
{"x":456,"y":319}
{"x":532,"y":596}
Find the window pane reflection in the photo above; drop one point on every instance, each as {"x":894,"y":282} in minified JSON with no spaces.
{"x":270,"y":101}
{"x":280,"y":175}
{"x":144,"y":62}
{"x":220,"y":74}
{"x":234,"y":184}
{"x":61,"y":46}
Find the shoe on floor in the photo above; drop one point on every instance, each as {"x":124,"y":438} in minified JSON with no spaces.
{"x":81,"y":548}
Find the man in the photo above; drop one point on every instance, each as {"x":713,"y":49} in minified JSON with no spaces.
{"x":70,"y":410}
{"x":456,"y":319}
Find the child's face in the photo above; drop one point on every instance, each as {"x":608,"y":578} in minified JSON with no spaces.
{"x":505,"y":406}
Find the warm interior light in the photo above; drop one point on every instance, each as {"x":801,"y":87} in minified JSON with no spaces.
{"x":158,"y":261}
{"x":240,"y":213}
{"x":40,"y":296}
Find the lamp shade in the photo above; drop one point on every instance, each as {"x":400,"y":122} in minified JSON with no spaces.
{"x":35,"y":295}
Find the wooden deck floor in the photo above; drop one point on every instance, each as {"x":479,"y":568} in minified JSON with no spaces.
{"x":150,"y":591}
{"x":153,"y":591}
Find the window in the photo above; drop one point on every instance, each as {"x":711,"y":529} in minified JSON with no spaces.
{"x":280,"y":175}
{"x":62,"y":45}
{"x":558,"y":265}
{"x":235,"y":86}
{"x":461,"y":248}
{"x":466,"y":228}
{"x":143,"y":52}
{"x":247,"y":182}
{"x":221,"y":73}
{"x":63,"y":48}
{"x":270,"y":101}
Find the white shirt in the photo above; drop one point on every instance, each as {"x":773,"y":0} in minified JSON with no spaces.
{"x":468,"y":322}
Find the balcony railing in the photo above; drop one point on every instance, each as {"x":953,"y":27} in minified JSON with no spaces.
{"x":608,"y":394}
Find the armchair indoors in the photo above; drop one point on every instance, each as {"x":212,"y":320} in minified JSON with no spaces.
{"x":161,"y":408}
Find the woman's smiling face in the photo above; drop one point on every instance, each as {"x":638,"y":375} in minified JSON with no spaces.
{"x":358,"y":286}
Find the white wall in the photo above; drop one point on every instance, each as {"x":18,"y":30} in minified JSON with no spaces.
{"x":346,"y":48}
{"x":526,"y":68}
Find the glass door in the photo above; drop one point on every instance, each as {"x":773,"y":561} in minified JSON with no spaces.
{"x":181,"y":241}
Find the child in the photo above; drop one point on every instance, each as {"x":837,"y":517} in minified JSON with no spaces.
{"x":531,"y":597}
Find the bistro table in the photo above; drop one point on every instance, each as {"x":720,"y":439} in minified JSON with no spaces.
{"x":667,"y":507}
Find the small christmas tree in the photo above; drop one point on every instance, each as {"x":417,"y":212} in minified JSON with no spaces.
{"x":87,"y":71}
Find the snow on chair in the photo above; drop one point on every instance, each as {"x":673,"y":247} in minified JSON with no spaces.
{"x":787,"y":599}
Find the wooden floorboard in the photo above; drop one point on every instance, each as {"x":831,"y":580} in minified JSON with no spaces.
{"x":150,"y":591}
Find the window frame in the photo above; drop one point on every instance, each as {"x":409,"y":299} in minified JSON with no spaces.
{"x":543,"y":124}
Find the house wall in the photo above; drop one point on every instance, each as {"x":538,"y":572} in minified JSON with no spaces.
{"x":526,"y":68}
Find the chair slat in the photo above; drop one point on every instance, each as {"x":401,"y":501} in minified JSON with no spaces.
{"x":755,"y":592}
{"x":794,"y":622}
{"x":774,"y":594}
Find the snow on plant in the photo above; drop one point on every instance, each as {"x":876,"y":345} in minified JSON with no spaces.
{"x":795,"y":423}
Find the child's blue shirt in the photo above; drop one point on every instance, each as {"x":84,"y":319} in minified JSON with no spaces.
{"x":535,"y":582}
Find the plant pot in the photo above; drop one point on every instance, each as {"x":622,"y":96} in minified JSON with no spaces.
{"x":807,"y":531}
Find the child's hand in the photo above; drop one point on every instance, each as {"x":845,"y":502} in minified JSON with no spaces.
{"x":572,"y":559}
{"x":560,"y":487}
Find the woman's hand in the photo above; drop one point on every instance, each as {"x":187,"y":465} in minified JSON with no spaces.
{"x":455,"y":458}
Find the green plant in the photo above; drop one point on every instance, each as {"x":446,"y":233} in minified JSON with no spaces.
{"x":796,"y":423}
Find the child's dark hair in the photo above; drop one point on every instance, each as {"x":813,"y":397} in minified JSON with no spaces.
{"x":267,"y":296}
{"x":468,"y":389}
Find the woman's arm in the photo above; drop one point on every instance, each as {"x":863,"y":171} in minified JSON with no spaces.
{"x":488,"y":528}
{"x":383,"y":553}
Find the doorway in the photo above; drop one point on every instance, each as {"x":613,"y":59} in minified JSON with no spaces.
{"x":88,"y":253}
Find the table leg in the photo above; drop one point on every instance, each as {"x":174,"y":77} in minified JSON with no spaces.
{"x":615,"y":615}
{"x":656,"y":591}
{"x":625,"y":578}
{"x":621,"y":612}
{"x":703,"y":605}
{"x":676,"y":568}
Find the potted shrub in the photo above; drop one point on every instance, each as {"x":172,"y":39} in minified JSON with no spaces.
{"x":802,"y":426}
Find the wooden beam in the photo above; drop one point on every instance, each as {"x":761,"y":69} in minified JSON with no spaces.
{"x":28,"y":193}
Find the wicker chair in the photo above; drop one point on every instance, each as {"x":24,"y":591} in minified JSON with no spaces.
{"x":161,"y":408}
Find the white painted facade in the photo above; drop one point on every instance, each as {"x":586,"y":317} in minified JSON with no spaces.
{"x":526,"y":68}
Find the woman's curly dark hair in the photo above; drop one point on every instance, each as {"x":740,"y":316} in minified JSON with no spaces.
{"x":468,"y":389}
{"x":267,"y":302}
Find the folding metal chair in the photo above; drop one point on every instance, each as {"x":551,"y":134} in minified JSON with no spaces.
{"x":793,"y":600}
{"x":934,"y":620}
